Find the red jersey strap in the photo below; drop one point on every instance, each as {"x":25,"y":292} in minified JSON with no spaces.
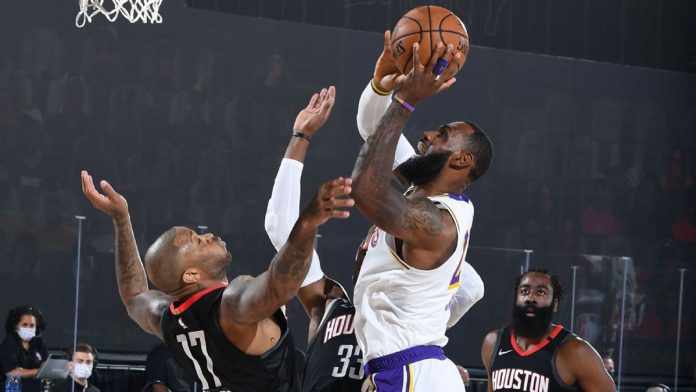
{"x":177,"y":310}
{"x":518,"y":350}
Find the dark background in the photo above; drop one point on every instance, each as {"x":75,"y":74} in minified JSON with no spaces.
{"x":188,"y":120}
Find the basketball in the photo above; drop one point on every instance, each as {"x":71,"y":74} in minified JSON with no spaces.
{"x":427,"y":25}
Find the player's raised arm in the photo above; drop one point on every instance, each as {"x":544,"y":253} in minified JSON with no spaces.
{"x":144,"y":306}
{"x":416,"y":221}
{"x":253,"y":300}
{"x":375,"y":100}
{"x":284,"y":205}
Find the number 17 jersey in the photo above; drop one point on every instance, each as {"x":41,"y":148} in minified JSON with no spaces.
{"x":334,"y":361}
{"x":192,"y":333}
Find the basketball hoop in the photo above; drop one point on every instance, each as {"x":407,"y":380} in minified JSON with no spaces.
{"x":146,"y":11}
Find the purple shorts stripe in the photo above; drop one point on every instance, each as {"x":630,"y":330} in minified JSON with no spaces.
{"x":389,"y":380}
{"x":402,"y":358}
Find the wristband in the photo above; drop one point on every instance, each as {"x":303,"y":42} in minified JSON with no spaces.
{"x":403,"y":103}
{"x":302,"y":135}
{"x":377,"y":90}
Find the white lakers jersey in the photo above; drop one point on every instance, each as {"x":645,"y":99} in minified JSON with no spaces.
{"x":398,"y":306}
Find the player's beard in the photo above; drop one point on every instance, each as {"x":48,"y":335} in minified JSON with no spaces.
{"x":422,"y":169}
{"x":531,"y":327}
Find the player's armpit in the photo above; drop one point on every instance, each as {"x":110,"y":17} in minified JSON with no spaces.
{"x":147,"y":308}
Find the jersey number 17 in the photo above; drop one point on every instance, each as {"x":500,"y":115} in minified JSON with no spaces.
{"x":197,"y":339}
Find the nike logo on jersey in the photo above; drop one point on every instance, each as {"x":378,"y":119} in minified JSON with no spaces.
{"x":181,"y":322}
{"x":501,"y":352}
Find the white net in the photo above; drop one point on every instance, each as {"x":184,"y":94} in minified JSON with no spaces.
{"x":146,"y":11}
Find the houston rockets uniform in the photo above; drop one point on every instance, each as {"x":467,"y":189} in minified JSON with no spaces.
{"x":334,"y":360}
{"x":534,"y":370}
{"x":192,"y":333}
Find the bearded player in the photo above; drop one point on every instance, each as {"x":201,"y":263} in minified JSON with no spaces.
{"x":414,"y":260}
{"x":533,"y":354}
{"x":334,"y":359}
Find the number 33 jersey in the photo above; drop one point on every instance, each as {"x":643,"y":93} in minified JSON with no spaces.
{"x":334,"y":361}
{"x":193,"y":335}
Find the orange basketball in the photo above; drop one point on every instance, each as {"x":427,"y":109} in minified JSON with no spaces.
{"x":427,"y":25}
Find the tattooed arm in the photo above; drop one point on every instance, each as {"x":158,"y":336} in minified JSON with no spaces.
{"x":428,"y":233}
{"x":144,"y":306}
{"x":251,"y":301}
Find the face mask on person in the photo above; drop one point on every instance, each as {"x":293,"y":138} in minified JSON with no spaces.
{"x":82,"y":370}
{"x":26,"y":334}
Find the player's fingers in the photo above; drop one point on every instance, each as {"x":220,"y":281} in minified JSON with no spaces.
{"x":341,"y":202}
{"x":437,"y":53}
{"x":332,"y":92}
{"x":108,"y":189}
{"x":387,"y":41}
{"x":446,"y":58}
{"x":340,"y":214}
{"x":447,"y":84}
{"x":458,"y":60}
{"x":328,"y":102}
{"x":449,"y":53}
{"x":313,"y":101}
{"x":451,"y":70}
{"x":88,"y":185}
{"x":337,"y":191}
{"x":322,"y":97}
{"x":416,"y":57}
{"x":399,"y":80}
{"x":83,"y":179}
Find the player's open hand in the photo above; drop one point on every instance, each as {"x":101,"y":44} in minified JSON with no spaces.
{"x":328,"y":202}
{"x":313,"y":117}
{"x":110,"y":202}
{"x":387,"y":76}
{"x":423,"y":81}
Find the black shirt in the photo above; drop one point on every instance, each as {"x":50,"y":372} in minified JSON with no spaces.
{"x":334,"y":361}
{"x":513,"y":369}
{"x":13,"y":355}
{"x":66,"y":386}
{"x":161,"y":367}
{"x":193,"y":335}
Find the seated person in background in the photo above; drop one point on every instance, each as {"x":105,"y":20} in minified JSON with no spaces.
{"x":80,"y":364}
{"x":162,"y":374}
{"x":23,"y":351}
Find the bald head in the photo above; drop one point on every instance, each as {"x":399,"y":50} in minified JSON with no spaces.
{"x":180,"y":258}
{"x":162,"y":262}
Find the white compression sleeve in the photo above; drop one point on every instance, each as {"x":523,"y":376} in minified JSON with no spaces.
{"x":469,"y":292}
{"x":371,"y":108}
{"x":283,"y":210}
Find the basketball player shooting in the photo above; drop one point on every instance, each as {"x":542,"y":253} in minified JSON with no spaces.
{"x":414,"y":259}
{"x":334,"y":359}
{"x":230,"y":336}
